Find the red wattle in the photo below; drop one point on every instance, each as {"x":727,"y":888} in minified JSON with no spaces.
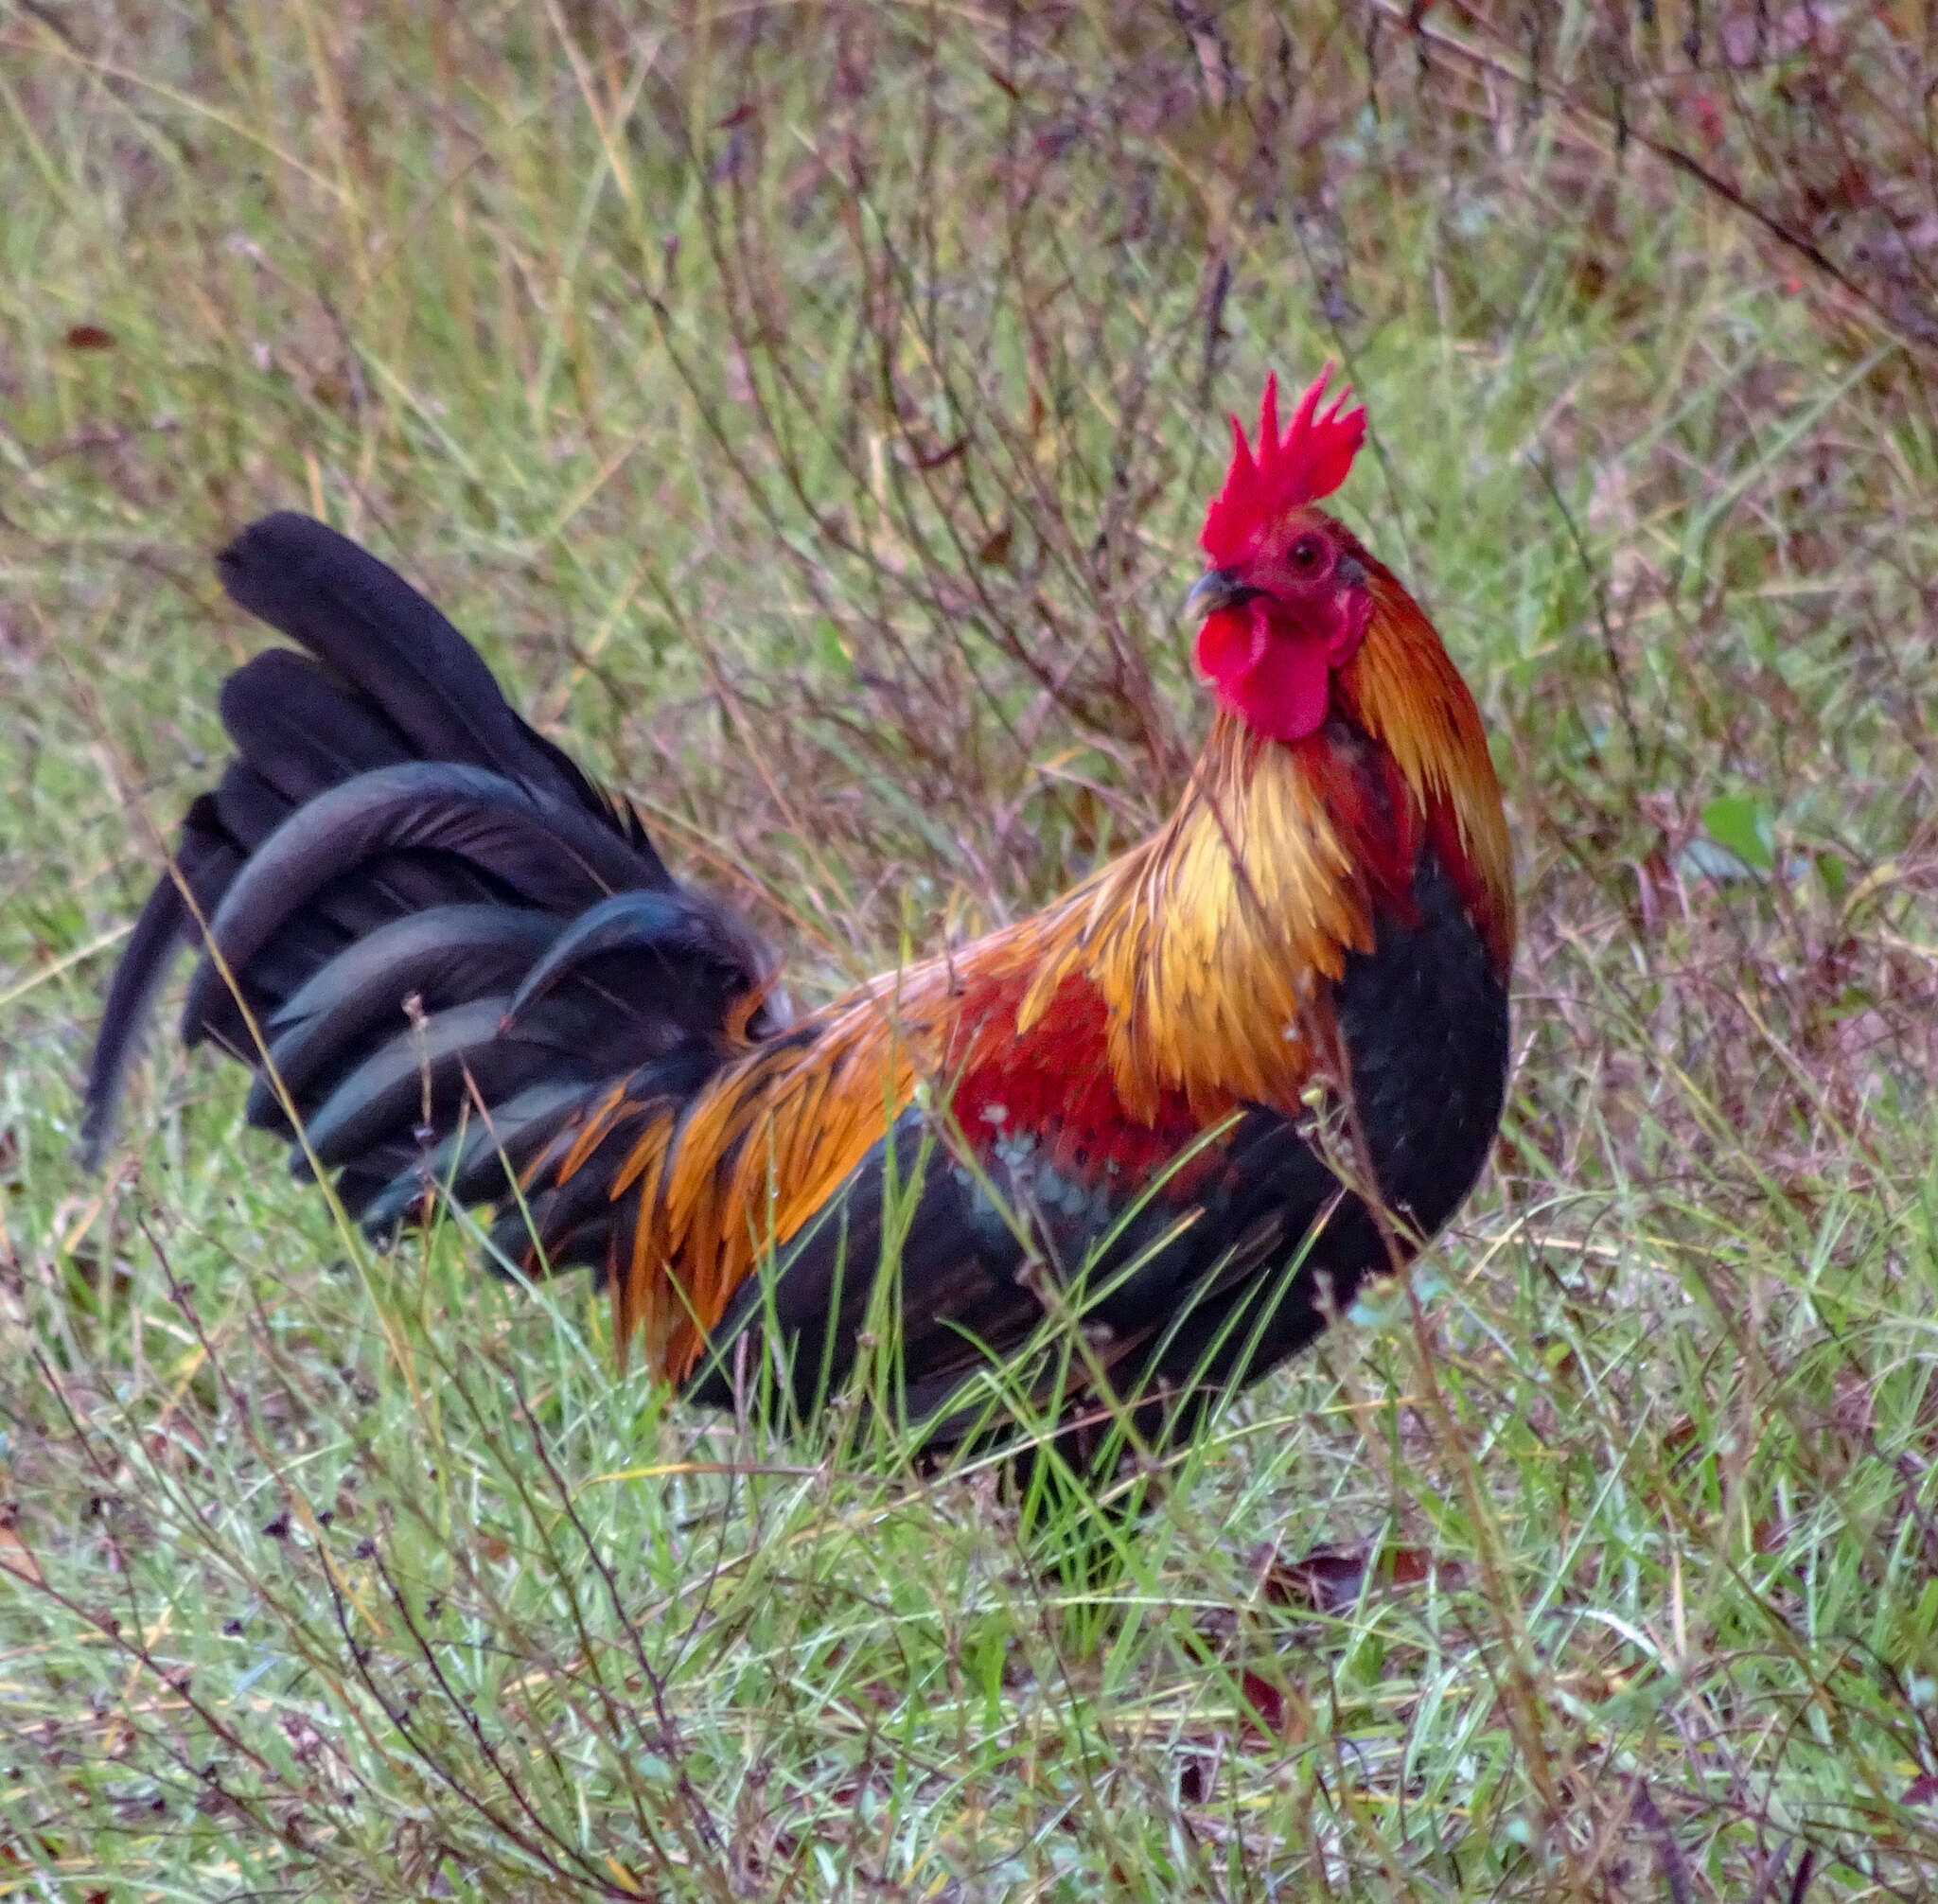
{"x":1278,"y":681}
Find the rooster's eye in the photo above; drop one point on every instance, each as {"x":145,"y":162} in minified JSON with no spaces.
{"x":1307,"y":553}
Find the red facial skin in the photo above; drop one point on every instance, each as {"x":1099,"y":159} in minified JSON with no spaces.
{"x":1281,"y":621}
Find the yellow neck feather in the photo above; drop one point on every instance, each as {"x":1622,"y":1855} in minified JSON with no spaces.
{"x":1216,"y":942}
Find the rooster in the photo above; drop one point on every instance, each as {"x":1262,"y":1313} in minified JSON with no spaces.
{"x":1190,"y":1105}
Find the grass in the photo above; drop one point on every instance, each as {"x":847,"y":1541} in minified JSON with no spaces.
{"x":809,"y":411}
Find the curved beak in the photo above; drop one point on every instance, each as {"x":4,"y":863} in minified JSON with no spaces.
{"x":1218,"y":589}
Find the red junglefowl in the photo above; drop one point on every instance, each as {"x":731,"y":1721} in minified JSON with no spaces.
{"x":453,"y":958}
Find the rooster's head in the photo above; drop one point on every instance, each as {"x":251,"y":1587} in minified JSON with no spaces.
{"x":1286,"y":601}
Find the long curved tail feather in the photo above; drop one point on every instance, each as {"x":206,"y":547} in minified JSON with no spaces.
{"x":433,"y":938}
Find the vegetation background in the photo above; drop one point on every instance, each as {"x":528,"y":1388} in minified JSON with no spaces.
{"x":810,"y":409}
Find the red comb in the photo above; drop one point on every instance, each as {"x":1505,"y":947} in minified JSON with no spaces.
{"x":1310,"y":460}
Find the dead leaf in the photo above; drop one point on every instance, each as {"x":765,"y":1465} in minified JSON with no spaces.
{"x":1266,"y":1700}
{"x":1272,"y":1715}
{"x":1328,"y":1581}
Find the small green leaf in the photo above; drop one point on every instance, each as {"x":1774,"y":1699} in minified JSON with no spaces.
{"x":831,"y":651}
{"x":1835,"y":875}
{"x":1741,"y":823}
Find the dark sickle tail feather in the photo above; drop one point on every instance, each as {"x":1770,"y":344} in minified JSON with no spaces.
{"x":423,"y":902}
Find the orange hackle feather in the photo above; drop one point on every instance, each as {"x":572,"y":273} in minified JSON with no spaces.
{"x":1184,"y":980}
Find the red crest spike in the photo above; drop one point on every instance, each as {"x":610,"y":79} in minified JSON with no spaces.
{"x":1241,"y":451}
{"x":1263,"y":486}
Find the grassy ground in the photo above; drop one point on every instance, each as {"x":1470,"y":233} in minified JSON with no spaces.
{"x":810,"y":411}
